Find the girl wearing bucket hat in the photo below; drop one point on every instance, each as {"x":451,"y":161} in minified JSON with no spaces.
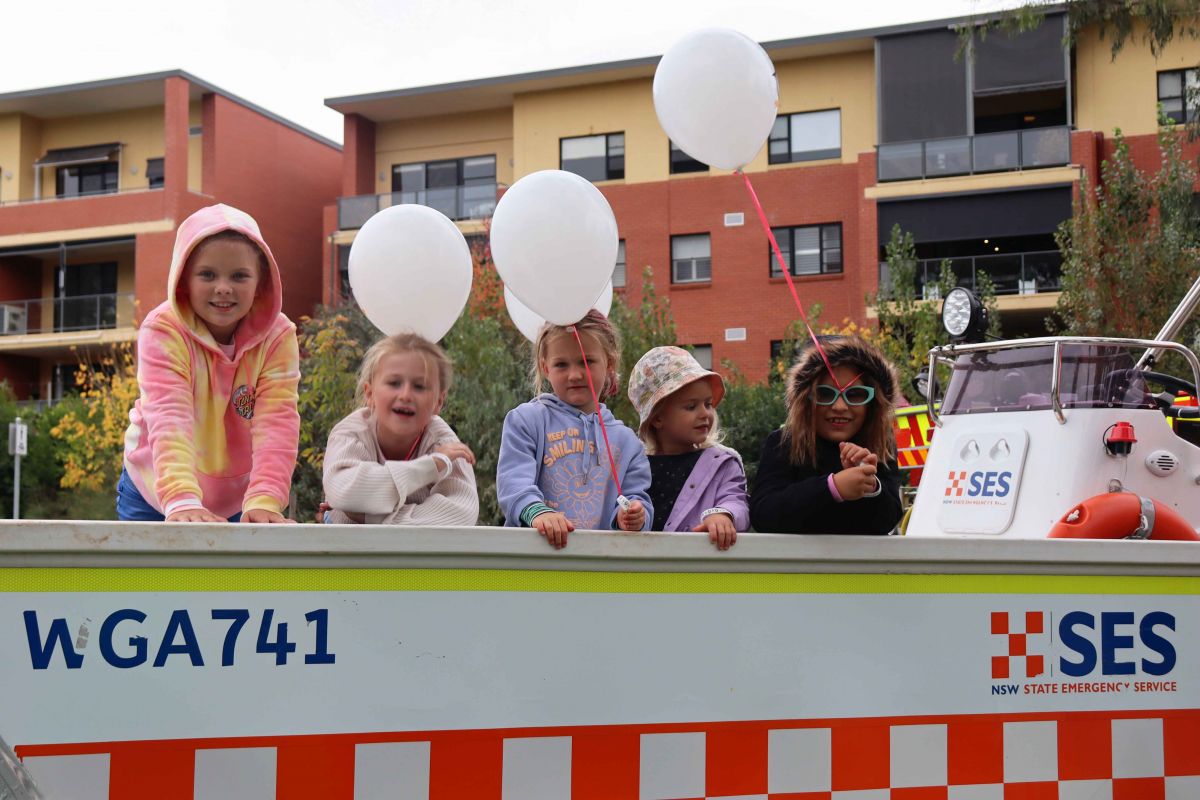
{"x":696,"y":484}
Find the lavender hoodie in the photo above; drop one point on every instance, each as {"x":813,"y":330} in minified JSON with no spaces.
{"x":717,"y":480}
{"x":552,"y":453}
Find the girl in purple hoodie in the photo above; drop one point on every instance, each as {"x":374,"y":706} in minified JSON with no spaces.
{"x":696,"y":484}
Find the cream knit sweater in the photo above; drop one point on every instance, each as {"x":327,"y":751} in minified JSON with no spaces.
{"x":358,"y":479}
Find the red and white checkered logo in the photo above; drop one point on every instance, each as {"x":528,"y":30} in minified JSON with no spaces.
{"x":1018,"y":645}
{"x":955,"y":488}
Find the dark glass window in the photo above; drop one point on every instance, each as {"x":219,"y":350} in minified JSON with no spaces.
{"x":618,"y":278}
{"x":681,"y":162}
{"x":86,"y":179}
{"x":343,"y":267}
{"x":691,"y":259}
{"x":460,"y":188}
{"x":807,"y":136}
{"x":597,"y":158}
{"x":703,"y":354}
{"x":808,"y":250}
{"x":1175,"y":89}
{"x":86,"y":297}
{"x":155,"y":175}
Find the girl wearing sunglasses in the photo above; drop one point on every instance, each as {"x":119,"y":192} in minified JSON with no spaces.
{"x":831,"y":468}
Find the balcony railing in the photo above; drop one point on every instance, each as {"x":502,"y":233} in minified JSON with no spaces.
{"x":456,"y":202}
{"x":65,"y":314}
{"x":1034,"y":148}
{"x":1034,"y":272}
{"x":5,"y":200}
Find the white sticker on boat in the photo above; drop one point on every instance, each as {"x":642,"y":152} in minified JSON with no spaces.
{"x":979,"y":494}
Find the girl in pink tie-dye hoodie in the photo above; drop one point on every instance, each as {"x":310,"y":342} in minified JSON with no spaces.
{"x":215,"y":431}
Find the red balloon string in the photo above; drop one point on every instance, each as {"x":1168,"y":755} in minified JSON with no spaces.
{"x":787,"y":273}
{"x":596,"y":402}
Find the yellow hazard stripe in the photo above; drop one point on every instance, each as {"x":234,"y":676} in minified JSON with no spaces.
{"x":40,"y":580}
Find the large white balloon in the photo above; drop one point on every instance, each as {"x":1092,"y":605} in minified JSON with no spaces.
{"x":529,"y":323}
{"x":410,"y":270}
{"x":554,"y":243}
{"x":716,"y":96}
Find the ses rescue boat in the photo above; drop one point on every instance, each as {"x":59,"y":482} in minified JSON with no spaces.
{"x":974,"y":658}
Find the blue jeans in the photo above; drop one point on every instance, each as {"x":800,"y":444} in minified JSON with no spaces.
{"x":132,"y":507}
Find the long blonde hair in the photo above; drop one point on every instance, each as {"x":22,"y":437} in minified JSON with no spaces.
{"x":605,"y":334}
{"x":403,"y":343}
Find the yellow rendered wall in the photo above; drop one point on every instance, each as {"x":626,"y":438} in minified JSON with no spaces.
{"x":1123,"y":93}
{"x":845,"y":81}
{"x":139,"y":130}
{"x":195,"y":149}
{"x":19,"y":142}
{"x":479,"y":133}
{"x":540,"y":119}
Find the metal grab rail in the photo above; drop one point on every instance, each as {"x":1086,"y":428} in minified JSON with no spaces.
{"x":947,"y":353}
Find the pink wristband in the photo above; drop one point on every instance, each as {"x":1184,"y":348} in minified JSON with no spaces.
{"x":833,"y":490}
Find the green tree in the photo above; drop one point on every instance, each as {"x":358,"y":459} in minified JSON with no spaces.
{"x":1130,"y":248}
{"x":643,"y":327}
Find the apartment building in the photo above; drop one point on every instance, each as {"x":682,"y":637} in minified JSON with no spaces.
{"x":94,"y":180}
{"x":978,"y":157}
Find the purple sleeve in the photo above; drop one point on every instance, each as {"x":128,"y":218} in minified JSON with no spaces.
{"x":730,"y":482}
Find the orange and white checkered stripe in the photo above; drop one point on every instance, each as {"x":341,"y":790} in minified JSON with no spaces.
{"x":1053,"y":756}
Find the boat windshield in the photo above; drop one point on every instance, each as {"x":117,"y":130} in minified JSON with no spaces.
{"x":1019,"y":379}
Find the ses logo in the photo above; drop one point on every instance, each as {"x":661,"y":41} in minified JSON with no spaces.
{"x":979,"y":484}
{"x":1113,"y":652}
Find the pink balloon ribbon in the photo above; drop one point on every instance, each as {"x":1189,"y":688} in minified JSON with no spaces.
{"x":596,"y":402}
{"x":787,"y":273}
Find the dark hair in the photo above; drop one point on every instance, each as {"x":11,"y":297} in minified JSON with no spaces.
{"x":877,"y":433}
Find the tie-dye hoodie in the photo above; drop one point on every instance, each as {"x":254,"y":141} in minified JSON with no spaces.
{"x":209,"y":429}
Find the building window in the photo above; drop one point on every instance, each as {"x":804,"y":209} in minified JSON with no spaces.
{"x":1175,"y":89}
{"x":618,"y":278}
{"x":808,"y":136}
{"x":85,"y":297}
{"x":776,"y":350}
{"x":810,"y":250}
{"x":597,"y":158}
{"x":343,"y":268}
{"x":681,"y":162}
{"x":460,"y":188}
{"x":691,"y":259}
{"x":87,"y":179}
{"x":703,"y":354}
{"x":155,"y":175}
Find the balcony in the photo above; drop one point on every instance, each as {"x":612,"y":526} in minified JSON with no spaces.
{"x":456,"y":202}
{"x":1006,"y":151}
{"x":1011,"y":273}
{"x":66,"y":314}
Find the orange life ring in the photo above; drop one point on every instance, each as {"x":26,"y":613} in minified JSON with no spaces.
{"x":1123,"y":515}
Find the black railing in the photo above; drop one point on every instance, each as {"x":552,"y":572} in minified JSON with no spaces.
{"x":1033,"y":148}
{"x":456,"y":202}
{"x":1011,"y":273}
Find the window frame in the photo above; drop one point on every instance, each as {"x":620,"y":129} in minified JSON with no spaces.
{"x":711,"y":355}
{"x":459,"y":164}
{"x":105,"y":168}
{"x":793,"y":157}
{"x":675,"y":281}
{"x":686,"y":164}
{"x":612,"y":173}
{"x":1182,"y":116}
{"x":790,"y":250}
{"x":159,"y":181}
{"x":622,"y":263}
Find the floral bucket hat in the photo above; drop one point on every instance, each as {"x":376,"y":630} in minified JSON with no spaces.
{"x":662,"y":372}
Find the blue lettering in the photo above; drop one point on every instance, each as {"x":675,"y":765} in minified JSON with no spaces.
{"x":1157,"y":643}
{"x":1110,"y":642}
{"x":137,"y":642}
{"x":39,"y":653}
{"x":989,"y":483}
{"x":1002,"y":481}
{"x":1077,"y":643}
{"x":180,"y":623}
{"x":976,"y":486}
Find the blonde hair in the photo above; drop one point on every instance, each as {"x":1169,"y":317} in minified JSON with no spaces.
{"x":606,"y":336}
{"x":650,"y":438}
{"x":403,"y":343}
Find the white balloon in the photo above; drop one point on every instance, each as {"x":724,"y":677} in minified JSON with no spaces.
{"x":554,"y":243}
{"x":716,"y":96}
{"x":410,"y":270}
{"x":529,"y":323}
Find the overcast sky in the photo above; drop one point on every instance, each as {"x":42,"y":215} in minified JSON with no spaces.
{"x":289,"y":55}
